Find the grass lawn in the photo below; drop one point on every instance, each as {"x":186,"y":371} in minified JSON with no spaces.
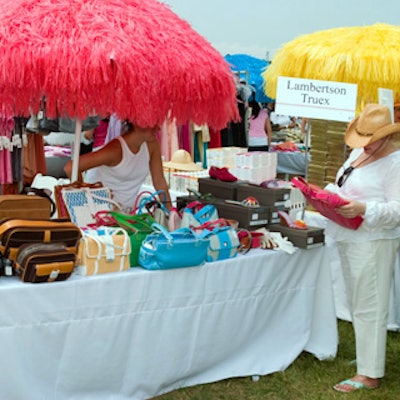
{"x":306,"y":379}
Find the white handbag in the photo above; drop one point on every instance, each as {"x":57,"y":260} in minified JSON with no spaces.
{"x":84,"y":203}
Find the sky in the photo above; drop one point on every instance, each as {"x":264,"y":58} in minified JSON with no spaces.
{"x":260,"y":27}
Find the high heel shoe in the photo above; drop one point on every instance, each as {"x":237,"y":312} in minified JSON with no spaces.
{"x":287,"y":221}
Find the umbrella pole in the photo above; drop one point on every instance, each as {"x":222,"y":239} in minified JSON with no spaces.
{"x":307,"y":144}
{"x":76,"y":150}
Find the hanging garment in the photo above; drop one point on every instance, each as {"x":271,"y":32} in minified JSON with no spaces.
{"x":33,"y":158}
{"x":6,"y":129}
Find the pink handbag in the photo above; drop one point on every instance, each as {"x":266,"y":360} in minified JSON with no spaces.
{"x":326,"y":203}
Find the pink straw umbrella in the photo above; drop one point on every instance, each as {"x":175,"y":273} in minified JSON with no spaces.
{"x":132,"y":57}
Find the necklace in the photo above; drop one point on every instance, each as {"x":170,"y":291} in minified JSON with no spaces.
{"x":346,"y":173}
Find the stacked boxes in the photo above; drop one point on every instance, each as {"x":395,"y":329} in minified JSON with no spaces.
{"x":219,"y":189}
{"x":223,"y":156}
{"x":249,"y":218}
{"x":270,"y":200}
{"x":328,"y":151}
{"x":273,"y":199}
{"x":181,"y":181}
{"x":255,"y":167}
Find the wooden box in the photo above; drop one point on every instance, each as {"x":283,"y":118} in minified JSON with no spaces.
{"x":220,"y":189}
{"x":265,"y":196}
{"x":302,"y":238}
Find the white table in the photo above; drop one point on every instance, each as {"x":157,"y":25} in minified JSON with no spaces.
{"x":137,"y":334}
{"x":341,"y":304}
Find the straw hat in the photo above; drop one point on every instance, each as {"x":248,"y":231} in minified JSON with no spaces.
{"x":374,"y":123}
{"x":182,"y":160}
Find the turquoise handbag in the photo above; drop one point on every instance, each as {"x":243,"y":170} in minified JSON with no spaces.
{"x":178,"y":249}
{"x":224,"y":239}
{"x":196,"y":213}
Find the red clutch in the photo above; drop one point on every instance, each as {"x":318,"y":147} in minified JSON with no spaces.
{"x":326,"y":203}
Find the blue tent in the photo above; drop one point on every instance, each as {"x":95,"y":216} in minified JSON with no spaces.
{"x":251,"y":69}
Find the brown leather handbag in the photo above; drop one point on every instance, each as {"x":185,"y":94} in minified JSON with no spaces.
{"x":44,"y":262}
{"x":16,"y":232}
{"x":32,"y":203}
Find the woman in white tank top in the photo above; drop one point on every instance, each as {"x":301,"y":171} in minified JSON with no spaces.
{"x":124,"y":163}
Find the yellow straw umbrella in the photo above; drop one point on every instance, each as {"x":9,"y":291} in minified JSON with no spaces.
{"x":366,"y":55}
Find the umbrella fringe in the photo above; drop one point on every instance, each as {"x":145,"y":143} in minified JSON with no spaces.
{"x":135,"y":58}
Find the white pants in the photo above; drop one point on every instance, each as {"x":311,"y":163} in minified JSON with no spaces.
{"x":368,"y":273}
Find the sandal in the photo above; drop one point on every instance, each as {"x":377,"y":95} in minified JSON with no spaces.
{"x":353,"y":386}
{"x":287,"y":221}
{"x":250,"y":202}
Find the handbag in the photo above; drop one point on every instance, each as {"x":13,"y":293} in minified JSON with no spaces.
{"x":326,"y":203}
{"x":174,"y":219}
{"x":147,"y":202}
{"x":138,"y":227}
{"x":44,"y":262}
{"x":46,"y":125}
{"x":62,"y":210}
{"x":44,"y":193}
{"x":30,"y":204}
{"x":164,"y":250}
{"x":84,"y":202}
{"x":16,"y":232}
{"x":197,"y":213}
{"x":103,"y":250}
{"x":224,"y":239}
{"x":68,"y":124}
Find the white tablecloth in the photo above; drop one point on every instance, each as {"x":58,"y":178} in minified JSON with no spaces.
{"x":341,"y":304}
{"x":136,"y":334}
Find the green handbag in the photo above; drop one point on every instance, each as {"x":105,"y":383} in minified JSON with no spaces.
{"x":138,"y":227}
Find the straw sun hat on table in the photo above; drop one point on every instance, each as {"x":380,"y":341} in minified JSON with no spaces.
{"x":182,"y":160}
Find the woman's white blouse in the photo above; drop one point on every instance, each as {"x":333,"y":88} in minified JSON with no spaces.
{"x":378,"y":185}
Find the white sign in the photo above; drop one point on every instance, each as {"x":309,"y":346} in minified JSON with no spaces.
{"x":385,"y":97}
{"x":311,"y":98}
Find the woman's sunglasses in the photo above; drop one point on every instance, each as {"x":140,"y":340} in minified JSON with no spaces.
{"x":343,"y":178}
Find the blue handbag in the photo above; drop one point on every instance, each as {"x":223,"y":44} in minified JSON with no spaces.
{"x":197,"y":213}
{"x":224,"y":241}
{"x":164,"y":250}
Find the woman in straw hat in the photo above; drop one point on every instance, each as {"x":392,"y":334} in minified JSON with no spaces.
{"x":124,"y":163}
{"x":370,"y":180}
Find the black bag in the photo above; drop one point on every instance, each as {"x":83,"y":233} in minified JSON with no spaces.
{"x":47,"y":125}
{"x":44,"y":262}
{"x":68,"y":124}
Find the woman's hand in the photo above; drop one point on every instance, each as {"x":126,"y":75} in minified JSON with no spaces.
{"x":353,"y":209}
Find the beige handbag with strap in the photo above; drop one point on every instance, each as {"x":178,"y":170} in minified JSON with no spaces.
{"x":103,"y":250}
